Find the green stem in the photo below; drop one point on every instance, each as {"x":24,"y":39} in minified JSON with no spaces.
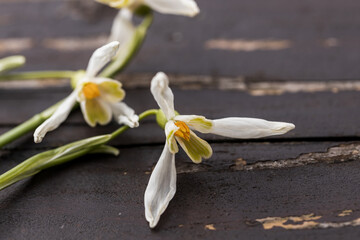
{"x":60,"y":155}
{"x":37,"y":75}
{"x":27,"y":126}
{"x":123,"y":59}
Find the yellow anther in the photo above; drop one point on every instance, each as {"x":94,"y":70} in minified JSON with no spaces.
{"x":184,"y":131}
{"x":90,"y":90}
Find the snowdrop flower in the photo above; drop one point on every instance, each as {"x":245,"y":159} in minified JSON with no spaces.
{"x":99,"y":97}
{"x":123,"y":28}
{"x":179,"y":130}
{"x":176,"y":7}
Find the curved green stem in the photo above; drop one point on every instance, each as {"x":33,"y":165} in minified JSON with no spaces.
{"x":37,"y":75}
{"x":27,"y":126}
{"x":124,"y":58}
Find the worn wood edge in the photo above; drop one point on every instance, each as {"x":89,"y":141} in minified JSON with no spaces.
{"x":254,"y":86}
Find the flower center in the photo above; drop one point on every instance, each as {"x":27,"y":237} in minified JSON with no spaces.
{"x":184,"y":131}
{"x":90,"y":90}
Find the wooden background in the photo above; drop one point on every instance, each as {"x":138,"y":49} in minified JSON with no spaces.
{"x":294,"y":61}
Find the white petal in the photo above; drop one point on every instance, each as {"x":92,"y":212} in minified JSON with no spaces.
{"x":248,"y":127}
{"x":101,"y":57}
{"x":59,"y":116}
{"x":196,"y":122}
{"x":161,"y":187}
{"x":125,"y":115}
{"x":163,"y":94}
{"x":122,"y":29}
{"x":170,"y":130}
{"x":178,"y":7}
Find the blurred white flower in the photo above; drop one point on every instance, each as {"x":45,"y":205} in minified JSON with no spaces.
{"x":178,"y":130}
{"x":176,"y":7}
{"x":99,"y":97}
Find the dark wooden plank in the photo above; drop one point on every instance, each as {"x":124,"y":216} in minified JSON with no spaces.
{"x":323,"y":37}
{"x":318,"y":115}
{"x":101,"y":197}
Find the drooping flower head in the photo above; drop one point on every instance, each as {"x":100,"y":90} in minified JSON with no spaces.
{"x":176,"y":7}
{"x":99,"y":98}
{"x":179,"y":129}
{"x":123,"y":28}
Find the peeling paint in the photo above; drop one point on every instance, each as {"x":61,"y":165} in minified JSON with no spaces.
{"x":248,"y":45}
{"x":210,"y":227}
{"x":304,"y":221}
{"x":14,"y":45}
{"x":308,"y":221}
{"x":330,"y":42}
{"x":345,"y":213}
{"x":71,"y":44}
{"x":239,"y":83}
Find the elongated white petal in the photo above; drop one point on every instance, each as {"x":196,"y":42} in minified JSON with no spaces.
{"x":125,"y":114}
{"x":59,"y":116}
{"x":196,"y":122}
{"x":161,"y":187}
{"x":178,"y":7}
{"x":196,"y":148}
{"x":170,"y":130}
{"x":122,"y":29}
{"x":248,"y":127}
{"x":163,"y":94}
{"x":100,"y":58}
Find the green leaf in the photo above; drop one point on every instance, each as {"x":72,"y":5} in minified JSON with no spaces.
{"x":55,"y":157}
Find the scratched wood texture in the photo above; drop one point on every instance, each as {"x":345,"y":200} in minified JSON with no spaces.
{"x":302,"y":185}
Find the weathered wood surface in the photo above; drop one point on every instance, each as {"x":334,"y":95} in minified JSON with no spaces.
{"x":303,"y":185}
{"x":101,"y":197}
{"x":278,"y":39}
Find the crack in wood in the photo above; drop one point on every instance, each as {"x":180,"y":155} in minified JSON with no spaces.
{"x":337,"y":154}
{"x":254,"y":85}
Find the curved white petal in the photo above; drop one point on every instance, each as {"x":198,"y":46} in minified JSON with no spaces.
{"x":163,"y":94}
{"x":170,"y":130}
{"x":101,"y":57}
{"x":161,"y":187}
{"x":196,"y":122}
{"x":59,"y":116}
{"x":125,"y":114}
{"x":122,"y":29}
{"x":248,"y":127}
{"x":178,"y":7}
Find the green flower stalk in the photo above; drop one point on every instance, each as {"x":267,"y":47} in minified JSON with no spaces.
{"x":63,"y":154}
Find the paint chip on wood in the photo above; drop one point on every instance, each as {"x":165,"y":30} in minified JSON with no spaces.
{"x":248,"y":45}
{"x":345,"y":213}
{"x":14,"y":45}
{"x":210,"y":227}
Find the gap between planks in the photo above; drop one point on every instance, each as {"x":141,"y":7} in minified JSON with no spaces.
{"x":256,"y":86}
